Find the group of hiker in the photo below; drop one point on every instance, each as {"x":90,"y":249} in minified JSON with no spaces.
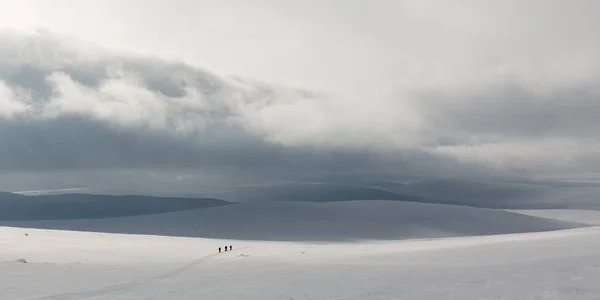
{"x":230,"y":248}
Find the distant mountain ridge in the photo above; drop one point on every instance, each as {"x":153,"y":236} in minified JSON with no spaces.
{"x":499,"y":195}
{"x":506,"y":195}
{"x":313,"y":192}
{"x":15,"y":207}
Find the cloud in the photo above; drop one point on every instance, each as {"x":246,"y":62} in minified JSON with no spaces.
{"x":512,"y":126}
{"x":11,"y":102}
{"x":68,"y":108}
{"x":517,"y":111}
{"x":470,"y":89}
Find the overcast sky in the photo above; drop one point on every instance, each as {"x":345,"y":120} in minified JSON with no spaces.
{"x":414,"y":87}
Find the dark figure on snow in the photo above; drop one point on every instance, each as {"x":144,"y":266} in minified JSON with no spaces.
{"x":225,"y":248}
{"x":229,"y":247}
{"x":219,"y":249}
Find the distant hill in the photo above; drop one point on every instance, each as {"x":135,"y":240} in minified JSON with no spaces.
{"x":505,"y":195}
{"x":312,"y":192}
{"x":306,"y":221}
{"x":481,"y":194}
{"x":15,"y":207}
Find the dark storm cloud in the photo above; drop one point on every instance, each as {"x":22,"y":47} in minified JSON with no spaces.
{"x":79,"y":144}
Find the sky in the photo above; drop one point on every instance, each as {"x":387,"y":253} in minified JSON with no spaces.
{"x":164,"y":92}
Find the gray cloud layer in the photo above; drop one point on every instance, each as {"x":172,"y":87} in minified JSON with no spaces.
{"x":503,"y":92}
{"x":66,"y":109}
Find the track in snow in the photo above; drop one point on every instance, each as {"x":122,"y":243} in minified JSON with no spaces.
{"x":127,"y":286}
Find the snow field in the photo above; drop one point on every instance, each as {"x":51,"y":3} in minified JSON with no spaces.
{"x":558,"y":264}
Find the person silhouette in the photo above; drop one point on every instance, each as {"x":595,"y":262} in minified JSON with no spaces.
{"x":230,"y":248}
{"x":219,"y":249}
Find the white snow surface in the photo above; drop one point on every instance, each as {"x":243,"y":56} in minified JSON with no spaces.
{"x":590,"y":217}
{"x":59,"y":264}
{"x":52,"y":192}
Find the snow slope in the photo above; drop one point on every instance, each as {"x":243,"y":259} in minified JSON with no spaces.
{"x":82,"y":265}
{"x":590,"y":217}
{"x":306,"y":221}
{"x":428,"y":251}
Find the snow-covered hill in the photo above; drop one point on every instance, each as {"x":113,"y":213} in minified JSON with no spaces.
{"x":305,"y":221}
{"x":591,"y":217}
{"x":83,"y":265}
{"x":353,"y":249}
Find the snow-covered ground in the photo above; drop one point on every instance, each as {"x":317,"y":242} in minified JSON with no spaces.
{"x":591,"y":217}
{"x":560,"y":264}
{"x":53,"y":192}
